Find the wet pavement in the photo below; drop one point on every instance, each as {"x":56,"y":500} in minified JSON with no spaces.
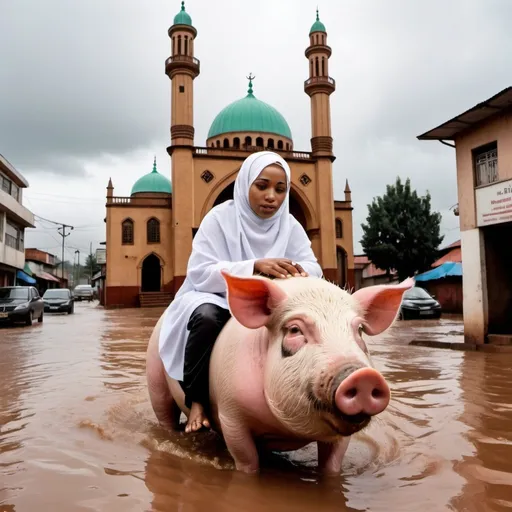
{"x":77,"y":432}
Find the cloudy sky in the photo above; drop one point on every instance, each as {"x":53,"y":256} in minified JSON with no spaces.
{"x":84,"y":96}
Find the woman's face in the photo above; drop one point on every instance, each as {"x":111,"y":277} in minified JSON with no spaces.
{"x":268,"y":191}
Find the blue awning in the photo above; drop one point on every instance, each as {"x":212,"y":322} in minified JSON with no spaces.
{"x":25,"y":277}
{"x":448,"y":269}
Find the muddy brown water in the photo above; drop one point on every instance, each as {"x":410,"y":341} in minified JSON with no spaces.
{"x":77,"y":432}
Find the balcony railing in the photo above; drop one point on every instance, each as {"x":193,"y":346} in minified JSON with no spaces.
{"x":156,"y":202}
{"x":301,"y":155}
{"x":320,"y":80}
{"x":177,"y":61}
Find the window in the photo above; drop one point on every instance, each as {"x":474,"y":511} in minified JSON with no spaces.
{"x":259,"y":142}
{"x":226,"y":143}
{"x":14,"y":237}
{"x":248,"y":141}
{"x":485,"y":161}
{"x":186,"y":45}
{"x":339,"y":228}
{"x":279,"y":144}
{"x":153,"y":231}
{"x":182,"y":88}
{"x":270,"y":143}
{"x":236,"y":142}
{"x":9,"y":187}
{"x":127,"y":232}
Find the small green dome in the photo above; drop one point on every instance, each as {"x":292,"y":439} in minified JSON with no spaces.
{"x":182,"y":18}
{"x":318,"y":26}
{"x":152,"y":182}
{"x":250,"y":115}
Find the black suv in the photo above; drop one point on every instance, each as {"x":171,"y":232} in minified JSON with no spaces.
{"x":20,"y":304}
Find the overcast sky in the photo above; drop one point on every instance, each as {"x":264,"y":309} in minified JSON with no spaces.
{"x":84,"y":96}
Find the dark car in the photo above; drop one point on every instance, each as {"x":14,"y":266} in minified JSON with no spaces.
{"x":418,"y":303}
{"x":59,"y":300}
{"x":20,"y":304}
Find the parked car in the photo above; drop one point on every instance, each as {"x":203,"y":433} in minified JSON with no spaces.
{"x":418,"y":303}
{"x":83,"y":292}
{"x":59,"y":300}
{"x":20,"y":304}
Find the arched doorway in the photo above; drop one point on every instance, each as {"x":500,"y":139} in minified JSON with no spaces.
{"x":151,"y":274}
{"x":295,"y":207}
{"x":341,"y":264}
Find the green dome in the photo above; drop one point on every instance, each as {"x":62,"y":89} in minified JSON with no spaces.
{"x":318,"y":26}
{"x":250,"y":115}
{"x":152,"y":182}
{"x":182,"y":18}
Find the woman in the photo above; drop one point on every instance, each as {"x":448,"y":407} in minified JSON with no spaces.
{"x":252,"y":234}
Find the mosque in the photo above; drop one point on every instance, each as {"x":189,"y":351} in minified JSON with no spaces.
{"x":149,"y":234}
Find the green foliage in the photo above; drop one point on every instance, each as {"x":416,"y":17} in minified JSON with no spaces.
{"x":401,"y":232}
{"x":90,"y":261}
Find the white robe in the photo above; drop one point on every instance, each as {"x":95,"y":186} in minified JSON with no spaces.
{"x":231,"y":237}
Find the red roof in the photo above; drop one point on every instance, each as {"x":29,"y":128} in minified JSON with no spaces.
{"x":47,"y":277}
{"x":455,"y":256}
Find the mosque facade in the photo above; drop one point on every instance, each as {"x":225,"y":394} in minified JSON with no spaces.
{"x":150,"y":233}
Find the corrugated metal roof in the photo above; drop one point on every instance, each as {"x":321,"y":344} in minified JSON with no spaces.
{"x":475,"y":115}
{"x":449,"y":269}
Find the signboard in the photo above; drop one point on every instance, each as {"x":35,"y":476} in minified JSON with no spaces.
{"x":494,"y":204}
{"x":101,"y":256}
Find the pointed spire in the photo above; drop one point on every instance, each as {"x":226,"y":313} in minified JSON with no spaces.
{"x":110,"y":188}
{"x":154,"y":161}
{"x":348,"y":193}
{"x":317,"y":14}
{"x":183,"y":5}
{"x":347,"y":188}
{"x":110,"y":183}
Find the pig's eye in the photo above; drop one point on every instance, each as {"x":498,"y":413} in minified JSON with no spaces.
{"x":360,"y":330}
{"x":294,"y":329}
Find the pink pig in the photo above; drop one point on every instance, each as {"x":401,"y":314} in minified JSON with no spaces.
{"x":289,"y":368}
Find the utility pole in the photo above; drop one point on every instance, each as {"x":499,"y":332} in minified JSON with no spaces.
{"x":77,"y":269}
{"x":90,"y":261}
{"x":63,"y":234}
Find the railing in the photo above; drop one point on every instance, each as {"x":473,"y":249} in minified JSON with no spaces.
{"x":320,"y":80}
{"x":181,"y":58}
{"x":302,"y":155}
{"x":157,"y":202}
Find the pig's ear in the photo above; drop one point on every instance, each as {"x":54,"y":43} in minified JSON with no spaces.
{"x":381,"y":304}
{"x":252,"y":299}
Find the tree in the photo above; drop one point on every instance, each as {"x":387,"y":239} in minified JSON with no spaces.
{"x":401,"y":233}
{"x":90,"y":262}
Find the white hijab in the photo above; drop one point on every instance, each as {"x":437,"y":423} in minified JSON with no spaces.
{"x":248,"y":235}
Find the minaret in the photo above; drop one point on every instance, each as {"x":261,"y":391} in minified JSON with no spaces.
{"x":319,"y":86}
{"x":182,"y":68}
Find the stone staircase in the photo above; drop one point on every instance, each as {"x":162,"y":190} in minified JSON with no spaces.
{"x":155,"y":299}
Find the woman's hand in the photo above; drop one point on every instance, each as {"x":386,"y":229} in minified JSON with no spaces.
{"x":279,"y":267}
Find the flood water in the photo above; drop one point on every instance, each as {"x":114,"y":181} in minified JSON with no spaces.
{"x":77,"y":432}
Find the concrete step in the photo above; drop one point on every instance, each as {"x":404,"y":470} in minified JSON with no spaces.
{"x":499,"y":339}
{"x":155,"y":299}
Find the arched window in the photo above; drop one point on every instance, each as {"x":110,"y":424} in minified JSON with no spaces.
{"x":226,"y":143}
{"x":339,"y":228}
{"x":270,"y":143}
{"x":317,"y":67}
{"x":153,"y":231}
{"x":287,"y":146}
{"x":323,"y":66}
{"x":248,"y":141}
{"x":127,"y":232}
{"x":236,"y":142}
{"x":179,"y":45}
{"x":259,"y":142}
{"x":218,"y":143}
{"x":310,"y":67}
{"x":279,"y":144}
{"x":186,"y":45}
{"x":174,"y":45}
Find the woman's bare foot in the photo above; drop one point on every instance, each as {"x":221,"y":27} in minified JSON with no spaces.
{"x":197,"y":418}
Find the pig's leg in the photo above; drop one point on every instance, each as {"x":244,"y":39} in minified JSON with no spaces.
{"x":330,"y":456}
{"x":240,"y":444}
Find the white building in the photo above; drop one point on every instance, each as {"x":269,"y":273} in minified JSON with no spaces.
{"x":14,"y":219}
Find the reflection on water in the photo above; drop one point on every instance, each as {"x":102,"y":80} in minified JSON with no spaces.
{"x":77,"y":431}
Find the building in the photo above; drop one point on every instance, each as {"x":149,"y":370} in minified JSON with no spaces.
{"x":14,"y":218}
{"x":482,"y":138}
{"x":43,"y":266}
{"x":149,"y":234}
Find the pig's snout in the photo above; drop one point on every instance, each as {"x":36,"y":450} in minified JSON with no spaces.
{"x":364,"y":392}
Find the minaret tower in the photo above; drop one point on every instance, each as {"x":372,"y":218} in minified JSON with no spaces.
{"x":182,"y":68}
{"x":319,"y":86}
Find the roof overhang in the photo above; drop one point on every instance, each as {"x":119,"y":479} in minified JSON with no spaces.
{"x":9,"y":169}
{"x":473,"y":117}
